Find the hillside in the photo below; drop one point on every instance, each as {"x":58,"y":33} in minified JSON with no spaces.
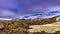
{"x":44,"y":21}
{"x":12,"y":26}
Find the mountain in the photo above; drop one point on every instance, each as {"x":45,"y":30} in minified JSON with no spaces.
{"x":24,"y":24}
{"x":45,"y":21}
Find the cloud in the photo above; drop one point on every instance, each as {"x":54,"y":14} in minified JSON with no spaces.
{"x":48,"y":15}
{"x":52,"y":13}
{"x":26,"y":16}
{"x":38,"y":9}
{"x":7,"y":13}
{"x":35,"y":14}
{"x":15,"y":8}
{"x":54,"y":8}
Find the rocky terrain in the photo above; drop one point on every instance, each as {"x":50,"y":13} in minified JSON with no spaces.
{"x":21,"y":26}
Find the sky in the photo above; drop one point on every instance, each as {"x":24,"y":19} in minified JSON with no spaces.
{"x":18,"y":8}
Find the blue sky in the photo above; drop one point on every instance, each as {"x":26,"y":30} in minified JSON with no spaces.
{"x":18,"y":8}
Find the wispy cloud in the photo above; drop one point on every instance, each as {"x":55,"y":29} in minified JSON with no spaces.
{"x":39,"y":9}
{"x":7,"y":13}
{"x":48,"y":15}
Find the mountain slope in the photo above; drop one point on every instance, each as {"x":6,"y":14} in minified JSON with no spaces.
{"x":44,"y":21}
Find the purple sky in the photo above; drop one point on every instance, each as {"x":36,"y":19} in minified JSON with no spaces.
{"x":17,"y":8}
